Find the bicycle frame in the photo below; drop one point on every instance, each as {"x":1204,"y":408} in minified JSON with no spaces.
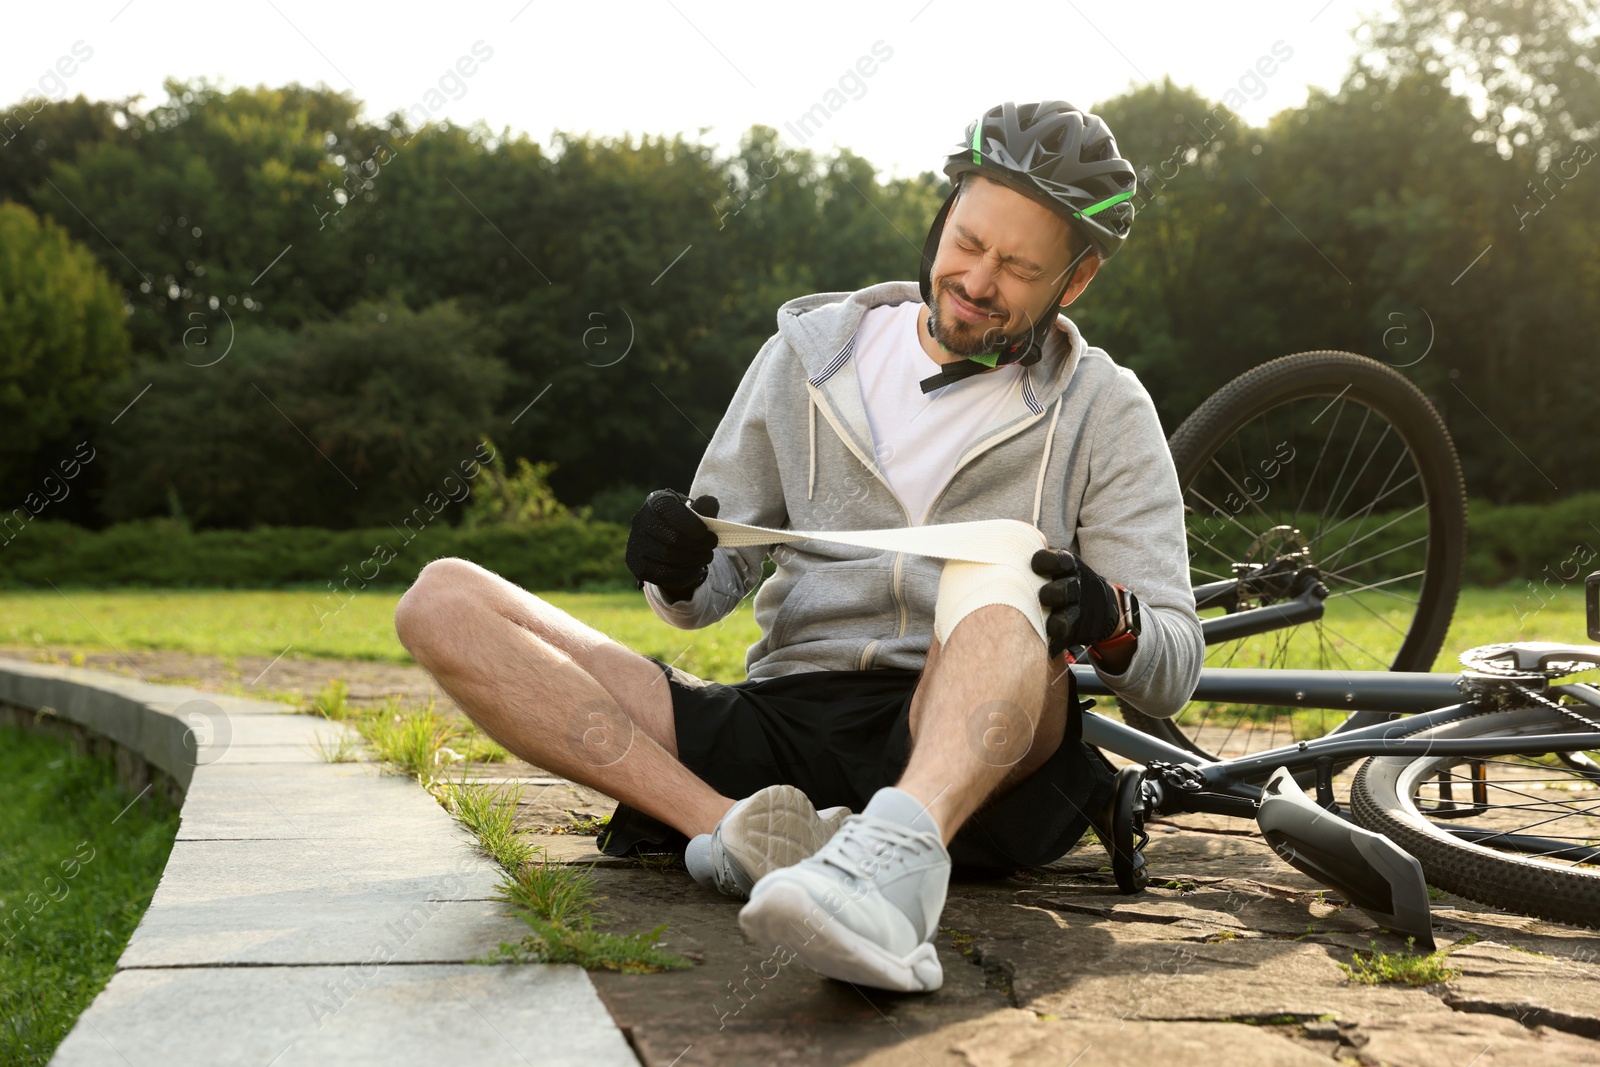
{"x":1233,"y":786}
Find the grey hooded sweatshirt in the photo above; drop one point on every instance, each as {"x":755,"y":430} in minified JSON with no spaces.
{"x":1078,"y":452}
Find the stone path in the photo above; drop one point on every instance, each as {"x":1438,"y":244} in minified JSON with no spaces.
{"x":1231,"y":958}
{"x":309,"y":912}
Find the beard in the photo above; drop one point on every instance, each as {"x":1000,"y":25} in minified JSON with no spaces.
{"x":962,"y":338}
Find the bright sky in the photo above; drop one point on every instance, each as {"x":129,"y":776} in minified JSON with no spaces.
{"x":663,"y":66}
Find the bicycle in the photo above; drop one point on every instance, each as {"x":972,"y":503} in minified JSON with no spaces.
{"x":1527,"y":744}
{"x":1321,"y":491}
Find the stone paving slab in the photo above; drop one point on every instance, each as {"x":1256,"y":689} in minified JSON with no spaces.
{"x":1461,"y":1040}
{"x":1530,"y":987}
{"x":384,"y":1016}
{"x":429,"y":931}
{"x":434,"y":862}
{"x":1011,"y":1037}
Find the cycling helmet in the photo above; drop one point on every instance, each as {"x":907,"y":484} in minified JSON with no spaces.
{"x":1061,"y":157}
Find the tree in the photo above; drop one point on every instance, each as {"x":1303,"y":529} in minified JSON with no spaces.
{"x":226,"y":197}
{"x":61,"y":334}
{"x":348,"y":423}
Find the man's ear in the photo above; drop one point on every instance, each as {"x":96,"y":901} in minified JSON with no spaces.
{"x":1080,"y":279}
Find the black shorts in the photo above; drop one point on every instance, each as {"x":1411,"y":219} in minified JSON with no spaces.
{"x":840,"y":736}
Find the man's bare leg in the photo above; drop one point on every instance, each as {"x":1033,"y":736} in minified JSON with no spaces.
{"x":989,"y":710}
{"x":984,"y":712}
{"x":555,"y":692}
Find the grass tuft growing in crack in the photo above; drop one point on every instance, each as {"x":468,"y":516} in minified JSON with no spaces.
{"x":558,"y":903}
{"x":413,"y":740}
{"x":1400,"y":968}
{"x":332,"y":701}
{"x":550,"y":892}
{"x":491,"y":814}
{"x":337,"y":747}
{"x":561,"y":909}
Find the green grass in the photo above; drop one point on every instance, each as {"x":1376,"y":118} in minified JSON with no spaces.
{"x":76,"y":873}
{"x":562,"y":911}
{"x":1401,"y":968}
{"x":337,"y":747}
{"x":232,"y":623}
{"x":420,"y":742}
{"x":1350,"y":625}
{"x":558,"y":903}
{"x":491,"y":814}
{"x":263,"y":623}
{"x":413,"y":740}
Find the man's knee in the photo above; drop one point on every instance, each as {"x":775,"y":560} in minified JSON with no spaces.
{"x":993,"y":619}
{"x":438,"y":596}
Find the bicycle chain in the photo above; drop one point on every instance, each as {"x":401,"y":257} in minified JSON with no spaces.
{"x":1563,"y":709}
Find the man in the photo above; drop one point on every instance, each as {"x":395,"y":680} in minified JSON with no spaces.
{"x":975,"y":402}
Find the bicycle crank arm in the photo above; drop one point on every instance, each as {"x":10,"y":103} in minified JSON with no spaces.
{"x":1365,"y":868}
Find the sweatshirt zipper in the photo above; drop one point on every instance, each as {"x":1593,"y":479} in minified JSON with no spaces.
{"x":967,"y":457}
{"x":899,"y":557}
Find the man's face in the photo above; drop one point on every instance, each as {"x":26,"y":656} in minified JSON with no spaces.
{"x":1000,"y":261}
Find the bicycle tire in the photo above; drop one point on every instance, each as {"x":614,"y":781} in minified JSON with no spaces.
{"x":1381,"y":801}
{"x":1278,"y":385}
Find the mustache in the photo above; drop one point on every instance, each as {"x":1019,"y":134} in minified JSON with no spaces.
{"x":981,"y":305}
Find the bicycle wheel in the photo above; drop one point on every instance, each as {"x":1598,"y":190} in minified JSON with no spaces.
{"x":1322,"y":472}
{"x":1517,"y":832}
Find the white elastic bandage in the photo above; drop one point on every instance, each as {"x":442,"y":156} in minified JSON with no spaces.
{"x":986,"y":562}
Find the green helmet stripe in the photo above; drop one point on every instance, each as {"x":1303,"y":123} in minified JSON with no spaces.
{"x":977,"y":132}
{"x":1102,"y":205}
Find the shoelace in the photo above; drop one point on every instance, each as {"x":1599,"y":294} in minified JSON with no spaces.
{"x":722,"y":872}
{"x":858,"y":849}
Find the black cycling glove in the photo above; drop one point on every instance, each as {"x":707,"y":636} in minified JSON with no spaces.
{"x":669,"y":546}
{"x":1085,"y":607}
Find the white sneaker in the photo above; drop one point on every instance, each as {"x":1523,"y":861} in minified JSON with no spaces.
{"x":772,"y":828}
{"x":865,"y":907}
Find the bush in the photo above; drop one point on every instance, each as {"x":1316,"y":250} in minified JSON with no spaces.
{"x":1533,"y":542}
{"x":1507,"y":543}
{"x":563,"y":553}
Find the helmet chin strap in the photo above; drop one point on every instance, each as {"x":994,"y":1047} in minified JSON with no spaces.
{"x":1025,"y":355}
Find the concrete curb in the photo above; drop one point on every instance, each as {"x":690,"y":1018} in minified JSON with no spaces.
{"x":310,"y":912}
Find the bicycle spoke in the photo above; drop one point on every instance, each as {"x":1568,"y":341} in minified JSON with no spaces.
{"x":1368,"y":462}
{"x":1348,"y":545}
{"x":1312,"y":480}
{"x":1521,"y":829}
{"x":1368,"y":609}
{"x":1248,"y":532}
{"x":1375,"y":501}
{"x":1362,"y":589}
{"x":1366,"y":413}
{"x":1254,"y":503}
{"x":1366,"y":512}
{"x":1342,"y":637}
{"x":1213,"y":547}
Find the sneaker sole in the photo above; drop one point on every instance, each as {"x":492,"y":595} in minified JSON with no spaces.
{"x":777,"y":828}
{"x":776,"y":916}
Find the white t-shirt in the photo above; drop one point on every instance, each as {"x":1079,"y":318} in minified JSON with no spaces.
{"x":919,"y":436}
